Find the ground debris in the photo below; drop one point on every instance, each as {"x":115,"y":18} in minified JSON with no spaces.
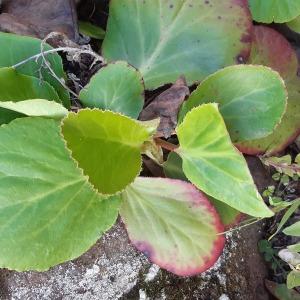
{"x":38,"y":18}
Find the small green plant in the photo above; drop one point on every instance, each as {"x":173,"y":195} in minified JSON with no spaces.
{"x":65,"y":176}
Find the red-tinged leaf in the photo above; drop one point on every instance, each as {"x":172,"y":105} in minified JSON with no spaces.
{"x":270,"y":48}
{"x":173,"y":223}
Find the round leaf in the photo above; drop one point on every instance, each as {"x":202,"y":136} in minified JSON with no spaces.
{"x":278,"y":11}
{"x":15,"y":48}
{"x":252,"y":100}
{"x":173,"y":224}
{"x":212,"y":163}
{"x":117,"y":87}
{"x":49,"y":213}
{"x":107,"y":146}
{"x":17,"y":87}
{"x":36,"y":108}
{"x":272,"y":49}
{"x":167,"y":39}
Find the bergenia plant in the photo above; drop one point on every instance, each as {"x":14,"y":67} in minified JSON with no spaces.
{"x":65,"y":176}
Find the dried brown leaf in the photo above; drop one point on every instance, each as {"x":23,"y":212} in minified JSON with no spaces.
{"x":166,"y":107}
{"x":38,"y":17}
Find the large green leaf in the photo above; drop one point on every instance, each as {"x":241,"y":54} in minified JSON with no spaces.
{"x":272,"y":49}
{"x":17,"y":87}
{"x":117,"y":87}
{"x":15,"y":48}
{"x":167,"y":39}
{"x":212,"y":163}
{"x":173,"y":224}
{"x":36,"y":108}
{"x":173,"y":169}
{"x":49,"y":213}
{"x":279,"y":11}
{"x":252,"y":99}
{"x":107,"y":146}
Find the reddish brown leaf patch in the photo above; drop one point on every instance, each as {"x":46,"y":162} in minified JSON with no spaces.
{"x":38,"y":17}
{"x":166,"y":107}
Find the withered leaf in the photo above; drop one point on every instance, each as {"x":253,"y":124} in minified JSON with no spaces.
{"x":38,"y":17}
{"x":166,"y":107}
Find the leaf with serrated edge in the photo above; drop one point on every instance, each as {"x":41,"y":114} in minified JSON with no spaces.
{"x":117,"y":87}
{"x":16,"y":48}
{"x":49,"y":213}
{"x":107,"y":146}
{"x":278,"y":11}
{"x":167,"y":39}
{"x":214,"y":165}
{"x":37,"y":108}
{"x":252,"y":99}
{"x":272,"y":49}
{"x":173,"y":224}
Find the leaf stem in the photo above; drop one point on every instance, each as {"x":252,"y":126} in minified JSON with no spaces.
{"x":166,"y":145}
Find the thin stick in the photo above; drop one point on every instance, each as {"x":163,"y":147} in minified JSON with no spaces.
{"x":240,"y":227}
{"x":60,"y":49}
{"x":166,"y":145}
{"x":47,"y":64}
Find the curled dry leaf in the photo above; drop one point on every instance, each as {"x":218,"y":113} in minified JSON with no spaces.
{"x":166,"y":106}
{"x":38,"y":18}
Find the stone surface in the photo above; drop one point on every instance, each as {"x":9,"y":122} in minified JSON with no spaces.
{"x":113,"y":269}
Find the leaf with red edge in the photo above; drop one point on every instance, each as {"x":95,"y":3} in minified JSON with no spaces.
{"x":270,"y":48}
{"x":229,"y":216}
{"x":173,"y":223}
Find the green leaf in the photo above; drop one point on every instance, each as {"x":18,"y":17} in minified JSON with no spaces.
{"x":214,"y":165}
{"x":17,"y":87}
{"x":294,"y":248}
{"x":286,"y":216}
{"x":294,"y":24}
{"x":107,"y":146}
{"x":229,"y":216}
{"x":93,"y":31}
{"x":293,"y":230}
{"x":278,"y":11}
{"x":37,"y":108}
{"x":293,"y":279}
{"x":49,"y":213}
{"x":173,"y":169}
{"x":252,"y":99}
{"x":270,"y":48}
{"x":173,"y":224}
{"x":281,"y":292}
{"x":15,"y":48}
{"x":117,"y":87}
{"x":167,"y":39}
